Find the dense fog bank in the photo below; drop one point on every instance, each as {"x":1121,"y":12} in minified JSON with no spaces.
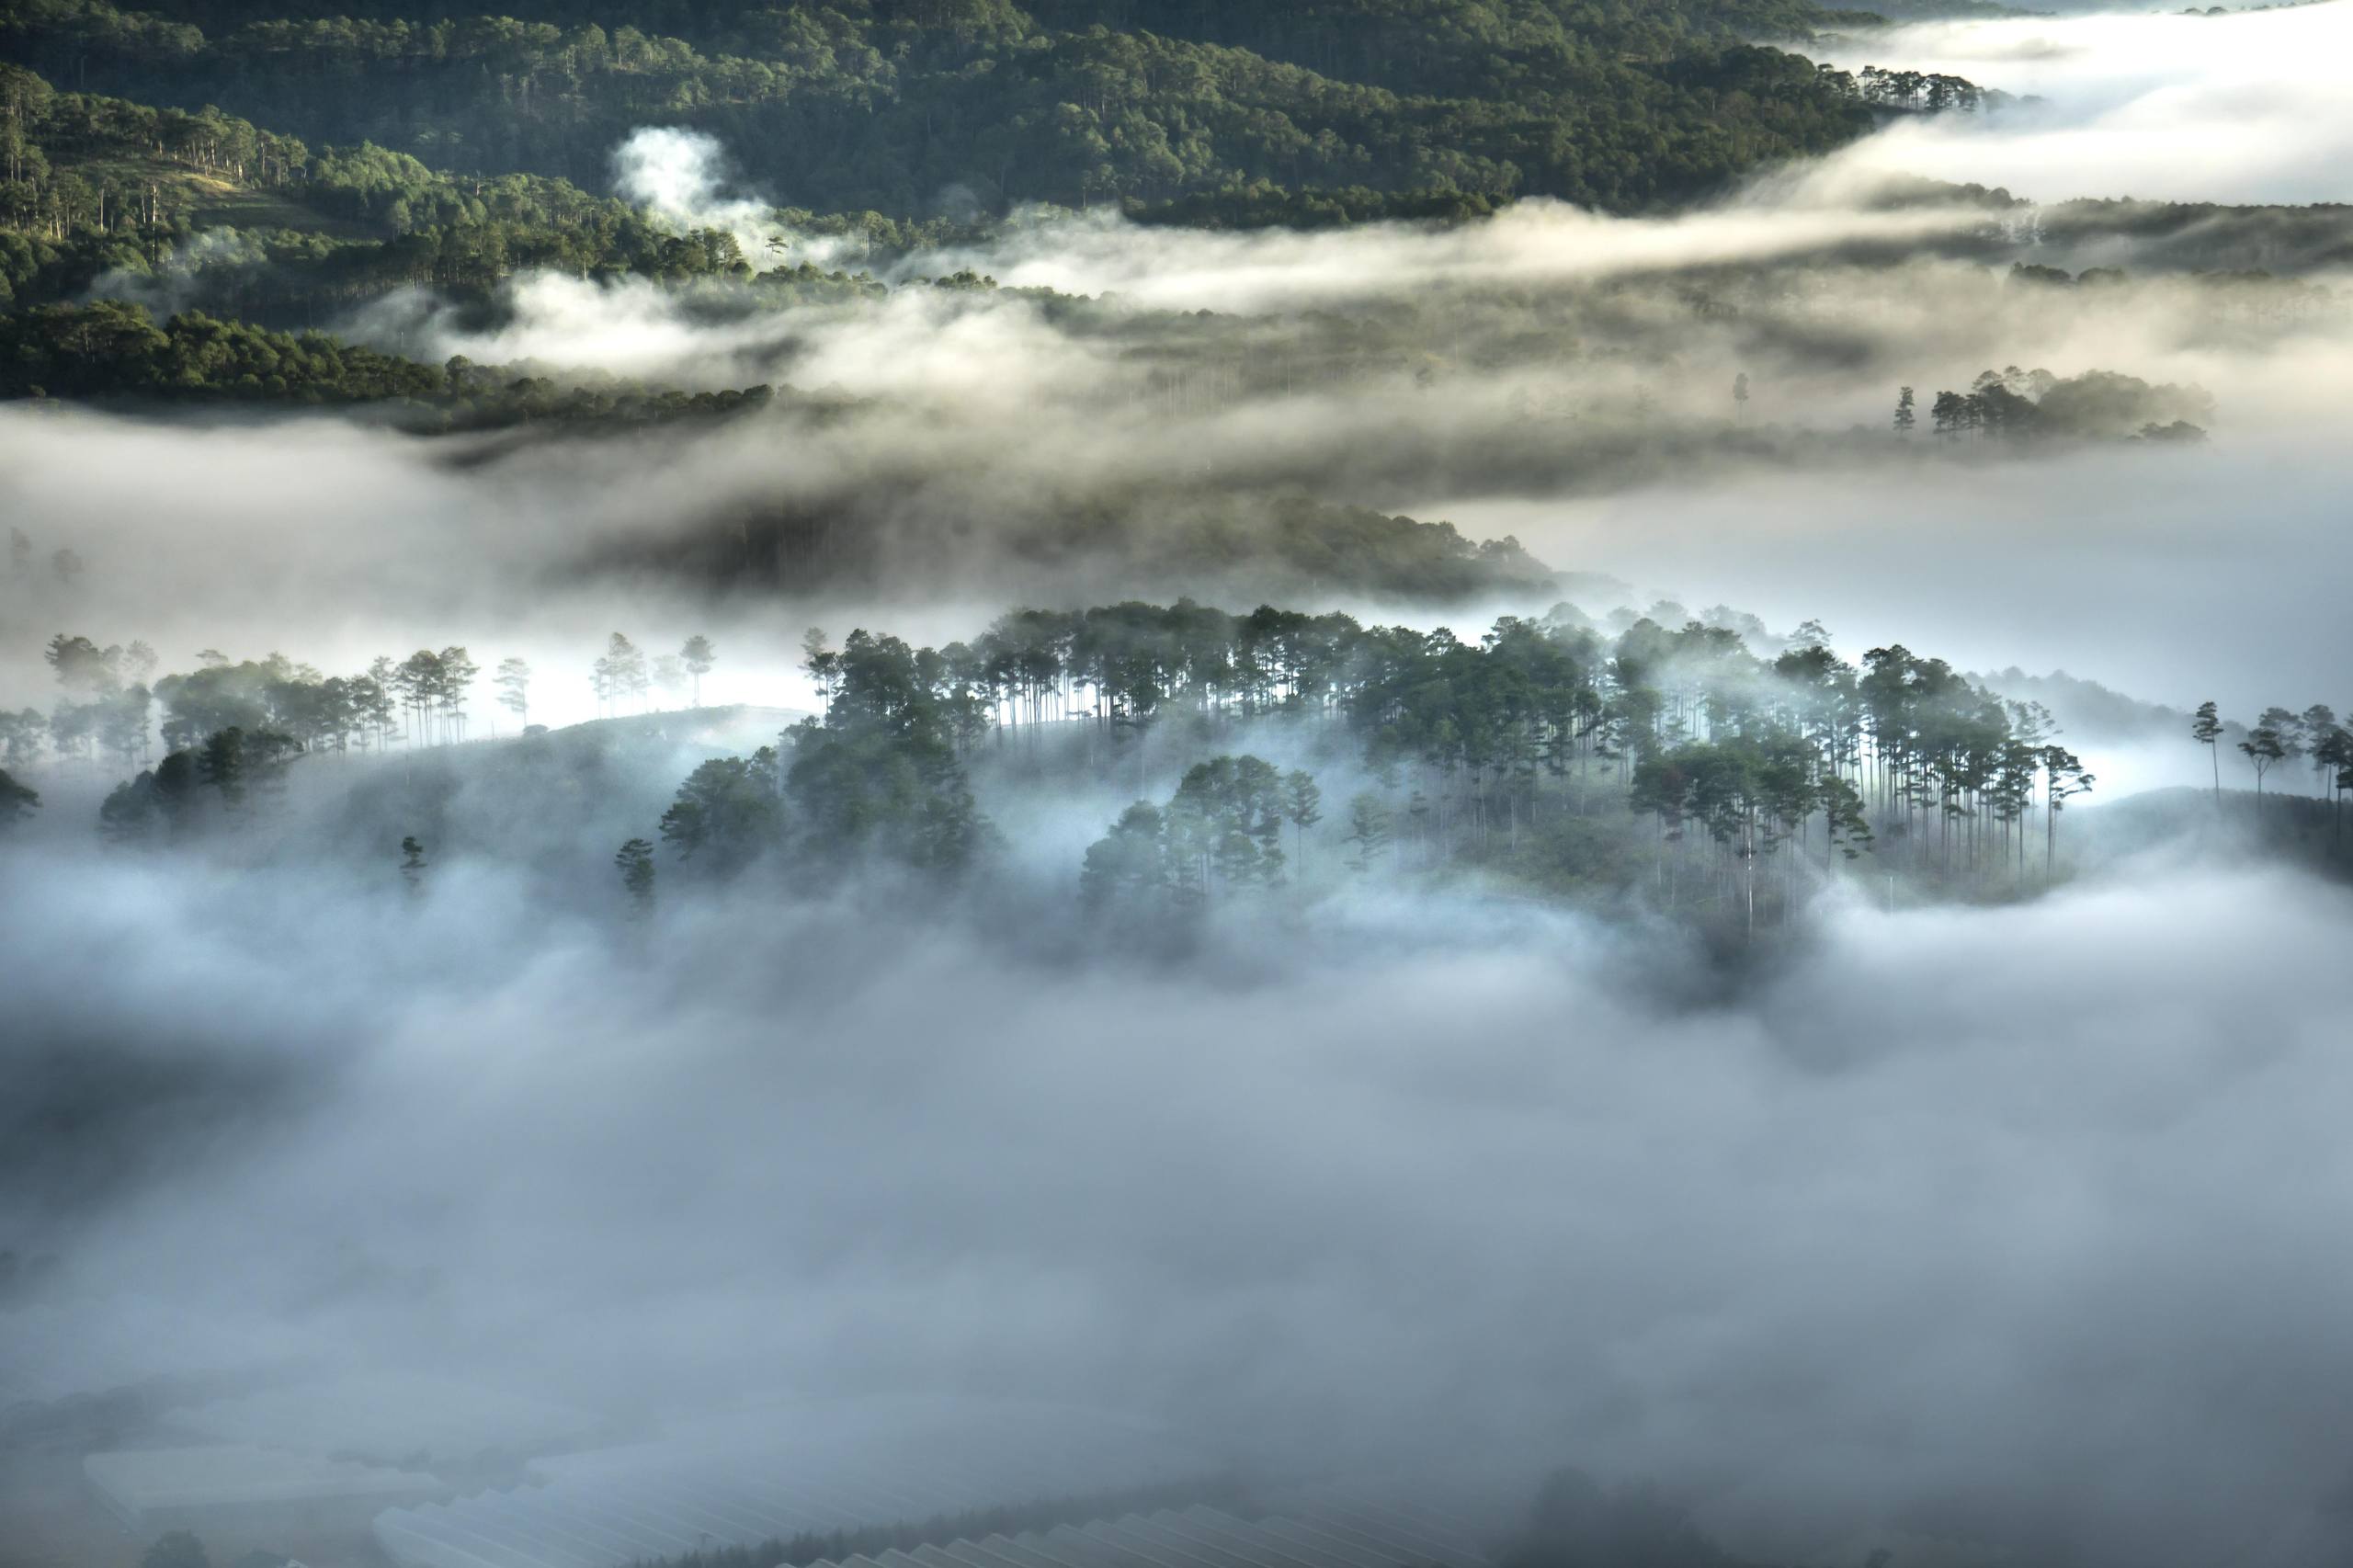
{"x":1972,"y":1220}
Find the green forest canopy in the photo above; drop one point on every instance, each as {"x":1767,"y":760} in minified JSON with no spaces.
{"x":889,"y":104}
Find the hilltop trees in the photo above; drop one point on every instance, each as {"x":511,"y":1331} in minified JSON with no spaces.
{"x":432,"y":687}
{"x":2206,"y":729}
{"x":620,"y":676}
{"x":698,"y":657}
{"x":2281,"y":735}
{"x":2264,"y":746}
{"x":1703,"y":766}
{"x":514,"y":683}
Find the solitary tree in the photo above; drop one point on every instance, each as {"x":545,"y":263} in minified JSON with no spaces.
{"x":636,"y":862}
{"x":1304,"y":804}
{"x":820,"y":661}
{"x":621,"y":671}
{"x":514,"y":683}
{"x":1368,"y":829}
{"x":2062,"y":779}
{"x":2206,"y":729}
{"x":456,"y":672}
{"x":2316,"y":726}
{"x":412,"y":864}
{"x":1740,"y":395}
{"x":699,"y":656}
{"x":1904,"y":417}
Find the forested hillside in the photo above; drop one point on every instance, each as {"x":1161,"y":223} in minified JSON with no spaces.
{"x":903,"y":105}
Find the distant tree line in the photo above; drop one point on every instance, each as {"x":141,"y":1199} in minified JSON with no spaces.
{"x":1739,"y":762}
{"x":109,"y":350}
{"x":1701,"y":763}
{"x":2280,"y":738}
{"x":2016,"y":405}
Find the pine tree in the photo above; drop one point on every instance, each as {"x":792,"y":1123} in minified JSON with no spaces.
{"x":1368,"y":829}
{"x":2206,"y":729}
{"x":1304,"y":804}
{"x":699,"y":657}
{"x":636,"y":862}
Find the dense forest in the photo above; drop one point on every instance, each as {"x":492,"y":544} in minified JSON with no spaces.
{"x":888,"y":107}
{"x":1659,"y":759}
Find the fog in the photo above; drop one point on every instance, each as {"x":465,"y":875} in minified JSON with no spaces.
{"x":2245,"y":106}
{"x":2006,"y":1215}
{"x":1456,"y":1183}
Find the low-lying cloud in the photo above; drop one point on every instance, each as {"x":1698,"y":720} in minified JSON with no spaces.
{"x":1458,"y":1186}
{"x":2168,"y":106}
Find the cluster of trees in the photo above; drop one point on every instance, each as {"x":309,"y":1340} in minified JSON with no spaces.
{"x":1926,"y":92}
{"x":100,"y":190}
{"x":1953,"y":776}
{"x":1202,"y":538}
{"x":1664,"y":750}
{"x":110,"y":350}
{"x":623,"y":674}
{"x":2016,"y":405}
{"x":1536,"y":732}
{"x":879,"y":105}
{"x":108,"y":705}
{"x":877,"y":780}
{"x":226,"y":725}
{"x":1220,"y":830}
{"x":2280,"y":738}
{"x":74,"y":162}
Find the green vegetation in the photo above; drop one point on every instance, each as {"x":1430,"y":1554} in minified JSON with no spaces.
{"x":878,"y":104}
{"x":109,"y":351}
{"x":2015,"y":404}
{"x":1668,"y":763}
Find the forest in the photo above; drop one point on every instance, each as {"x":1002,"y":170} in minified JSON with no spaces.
{"x":1664,"y":763}
{"x":1073,"y":104}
